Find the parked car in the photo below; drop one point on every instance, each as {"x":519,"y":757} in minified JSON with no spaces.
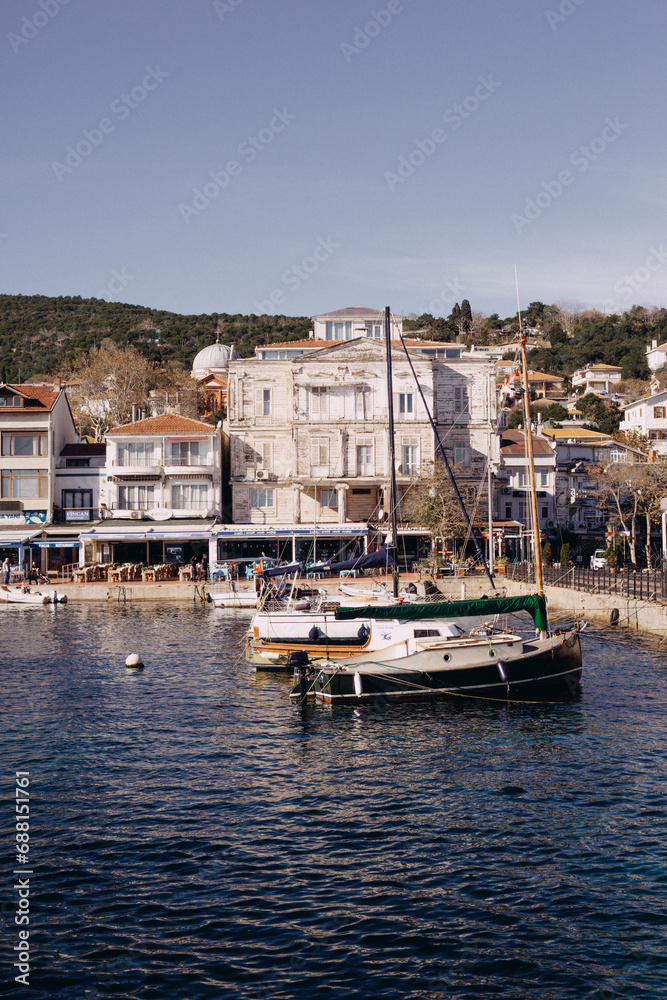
{"x":599,"y":559}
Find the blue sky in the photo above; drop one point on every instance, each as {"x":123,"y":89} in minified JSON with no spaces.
{"x":302,"y":156}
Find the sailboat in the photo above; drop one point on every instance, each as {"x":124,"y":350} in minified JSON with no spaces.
{"x":482,"y":663}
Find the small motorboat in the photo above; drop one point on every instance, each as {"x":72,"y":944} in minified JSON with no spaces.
{"x":234,"y":599}
{"x":24,"y":595}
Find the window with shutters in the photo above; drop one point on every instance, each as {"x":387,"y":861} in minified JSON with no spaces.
{"x":363,"y":402}
{"x":460,"y":400}
{"x":319,"y":455}
{"x":262,"y":402}
{"x":365,"y":463}
{"x":658,"y":412}
{"x":264,"y":454}
{"x":319,"y":403}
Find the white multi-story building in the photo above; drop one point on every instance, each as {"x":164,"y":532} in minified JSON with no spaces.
{"x":648,"y":416}
{"x":597,"y":378}
{"x":309,"y":443}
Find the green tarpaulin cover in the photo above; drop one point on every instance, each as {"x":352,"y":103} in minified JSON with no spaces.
{"x":534,"y":604}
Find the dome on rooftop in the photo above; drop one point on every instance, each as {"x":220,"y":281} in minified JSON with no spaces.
{"x":214,"y":358}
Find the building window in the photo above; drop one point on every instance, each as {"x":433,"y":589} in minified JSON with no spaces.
{"x":261,"y":499}
{"x":508,"y":511}
{"x":406,"y":409}
{"x":11,"y":401}
{"x":25,"y":444}
{"x":461,"y":454}
{"x":319,"y":403}
{"x":617,"y":456}
{"x":77,"y":463}
{"x":189,"y":452}
{"x":264,"y":454}
{"x":262,"y":402}
{"x":329,"y":498}
{"x":410,"y":459}
{"x":470,"y":494}
{"x":20,"y":483}
{"x":523,"y":511}
{"x":365,"y":465}
{"x":319,"y":452}
{"x":136,"y":453}
{"x":460,"y":399}
{"x":136,"y":497}
{"x":521,"y":480}
{"x":374,"y":330}
{"x":543,"y":479}
{"x":77,"y":500}
{"x":544,"y":510}
{"x":189,"y":496}
{"x":658,"y":412}
{"x":363,"y":402}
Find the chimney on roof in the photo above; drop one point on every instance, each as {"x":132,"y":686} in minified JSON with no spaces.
{"x":652,"y":456}
{"x":654,"y":344}
{"x":56,"y":382}
{"x":134,"y":412}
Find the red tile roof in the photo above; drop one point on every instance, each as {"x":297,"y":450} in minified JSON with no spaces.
{"x":514,"y":443}
{"x":38,"y":397}
{"x":169,"y":423}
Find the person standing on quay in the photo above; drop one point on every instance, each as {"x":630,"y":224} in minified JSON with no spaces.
{"x":204,"y":568}
{"x":5,"y":571}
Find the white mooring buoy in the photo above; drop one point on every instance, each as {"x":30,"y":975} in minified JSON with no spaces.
{"x":134,"y":662}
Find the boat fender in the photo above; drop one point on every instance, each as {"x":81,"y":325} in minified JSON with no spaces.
{"x":133,"y":662}
{"x":364,"y":632}
{"x":503,"y":671}
{"x":614,"y":616}
{"x":63,"y":599}
{"x":53,"y":597}
{"x":315,"y":633}
{"x":358,"y":689}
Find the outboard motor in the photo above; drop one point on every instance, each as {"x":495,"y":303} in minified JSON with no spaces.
{"x":299,"y":661}
{"x":410,"y":588}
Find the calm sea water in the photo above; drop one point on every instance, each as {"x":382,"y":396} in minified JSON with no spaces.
{"x":195,"y":834}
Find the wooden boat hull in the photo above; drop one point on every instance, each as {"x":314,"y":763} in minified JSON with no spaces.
{"x":539,"y":669}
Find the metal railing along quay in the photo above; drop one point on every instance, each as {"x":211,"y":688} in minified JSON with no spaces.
{"x":640,"y":584}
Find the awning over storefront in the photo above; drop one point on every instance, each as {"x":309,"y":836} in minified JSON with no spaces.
{"x":145,"y":534}
{"x":248,"y":531}
{"x":15,"y":539}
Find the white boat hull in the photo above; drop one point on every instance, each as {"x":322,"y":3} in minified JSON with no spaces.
{"x":20,"y":595}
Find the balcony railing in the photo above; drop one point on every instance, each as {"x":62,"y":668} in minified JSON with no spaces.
{"x":191,"y":460}
{"x":188,"y":504}
{"x":134,"y":505}
{"x":136,"y":462}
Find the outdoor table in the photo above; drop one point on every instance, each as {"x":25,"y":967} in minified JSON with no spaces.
{"x":184,"y":573}
{"x":114,"y":576}
{"x":148,"y":575}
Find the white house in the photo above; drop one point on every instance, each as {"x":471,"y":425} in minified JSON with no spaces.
{"x":656,"y":356}
{"x":597,"y":378}
{"x":648,"y":416}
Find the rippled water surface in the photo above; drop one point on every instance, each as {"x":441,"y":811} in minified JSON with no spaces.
{"x":196,"y":834}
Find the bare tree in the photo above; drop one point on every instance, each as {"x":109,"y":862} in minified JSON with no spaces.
{"x":104,"y":386}
{"x":567,"y":315}
{"x":629,"y":491}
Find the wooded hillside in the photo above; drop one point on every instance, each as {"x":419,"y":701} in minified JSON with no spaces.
{"x":40,"y":335}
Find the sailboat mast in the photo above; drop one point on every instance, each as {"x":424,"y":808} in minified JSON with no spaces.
{"x":393,"y":549}
{"x":530,"y":461}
